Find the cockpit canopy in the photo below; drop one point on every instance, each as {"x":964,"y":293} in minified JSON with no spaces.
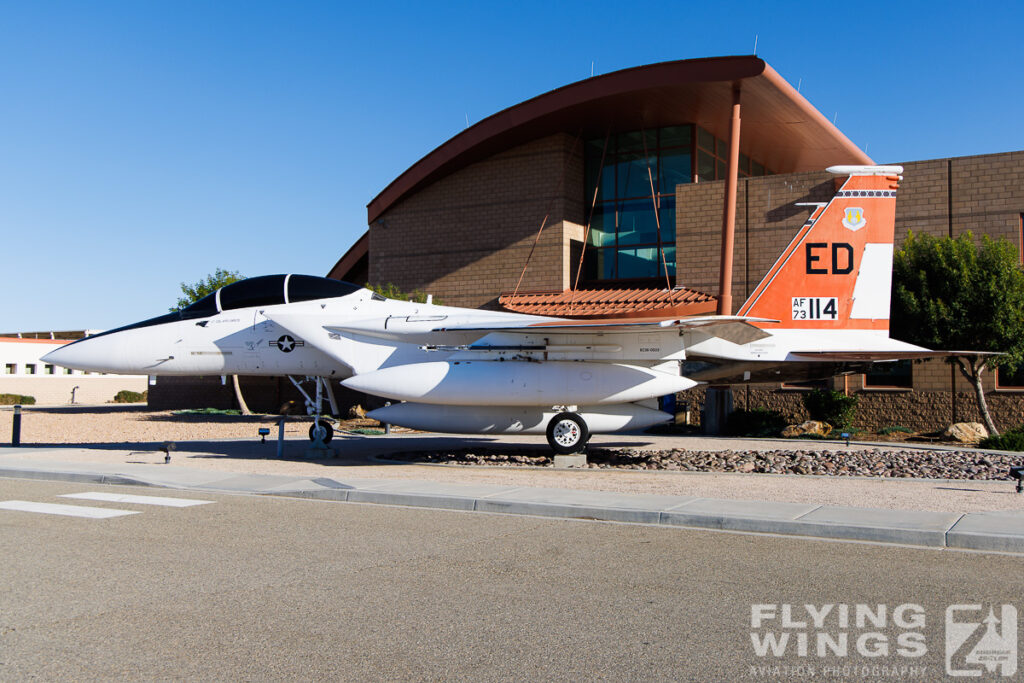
{"x":268,"y":290}
{"x":265,"y":290}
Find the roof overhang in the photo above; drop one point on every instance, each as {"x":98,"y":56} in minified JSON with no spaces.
{"x":780,"y":128}
{"x":347,"y":262}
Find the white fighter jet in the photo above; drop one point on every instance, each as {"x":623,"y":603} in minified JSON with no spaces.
{"x":821,"y":308}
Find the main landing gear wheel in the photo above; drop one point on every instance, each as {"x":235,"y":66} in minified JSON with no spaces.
{"x":326,"y":432}
{"x":567,"y":433}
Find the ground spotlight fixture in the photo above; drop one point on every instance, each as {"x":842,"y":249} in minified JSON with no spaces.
{"x":1018,"y":474}
{"x":264,"y":431}
{"x":167,"y":448}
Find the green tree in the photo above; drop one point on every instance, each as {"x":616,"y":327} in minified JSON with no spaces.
{"x":956,"y":294}
{"x":390,"y":291}
{"x":205,"y":287}
{"x":833,"y":407}
{"x":209,"y":285}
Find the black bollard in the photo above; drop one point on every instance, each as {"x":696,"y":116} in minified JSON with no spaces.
{"x":16,"y":427}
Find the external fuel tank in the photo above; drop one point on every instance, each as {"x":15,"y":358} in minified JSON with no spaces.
{"x":518,"y":383}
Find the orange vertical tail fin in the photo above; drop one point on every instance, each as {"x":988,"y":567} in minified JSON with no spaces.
{"x":837,"y":271}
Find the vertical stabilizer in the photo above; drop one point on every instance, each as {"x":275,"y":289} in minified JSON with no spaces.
{"x":837,"y":271}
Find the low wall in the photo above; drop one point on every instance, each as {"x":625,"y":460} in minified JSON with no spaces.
{"x":923,"y":411}
{"x":56,"y":390}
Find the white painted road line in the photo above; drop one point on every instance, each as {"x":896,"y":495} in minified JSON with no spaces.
{"x":67,"y":510}
{"x":141,"y":500}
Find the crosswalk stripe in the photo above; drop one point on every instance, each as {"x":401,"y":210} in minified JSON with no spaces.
{"x":141,"y":500}
{"x":67,"y":510}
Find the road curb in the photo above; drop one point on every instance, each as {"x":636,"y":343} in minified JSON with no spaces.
{"x":994,"y":532}
{"x":77,"y":477}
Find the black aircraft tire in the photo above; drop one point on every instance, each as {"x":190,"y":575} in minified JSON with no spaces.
{"x":328,"y":431}
{"x":567,"y":433}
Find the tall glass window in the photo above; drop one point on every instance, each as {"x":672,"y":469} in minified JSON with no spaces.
{"x":636,"y":174}
{"x":636,"y":193}
{"x":712,"y":160}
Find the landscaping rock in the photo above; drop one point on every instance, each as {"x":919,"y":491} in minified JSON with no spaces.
{"x":809,"y":427}
{"x":966,"y":432}
{"x":875,"y":462}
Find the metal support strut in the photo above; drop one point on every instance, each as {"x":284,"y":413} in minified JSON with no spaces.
{"x":321,"y":431}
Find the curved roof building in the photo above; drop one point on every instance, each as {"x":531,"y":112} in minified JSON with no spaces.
{"x":780,"y":127}
{"x":588,"y":186}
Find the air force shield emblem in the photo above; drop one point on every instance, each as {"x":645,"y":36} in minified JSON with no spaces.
{"x":854,"y":218}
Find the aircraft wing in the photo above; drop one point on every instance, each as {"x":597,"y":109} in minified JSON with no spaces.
{"x":733,"y":328}
{"x":484,"y":334}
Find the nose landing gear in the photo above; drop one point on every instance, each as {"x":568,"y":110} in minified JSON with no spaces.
{"x":320,"y":430}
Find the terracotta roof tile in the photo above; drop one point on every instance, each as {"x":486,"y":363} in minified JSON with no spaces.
{"x":611,"y":303}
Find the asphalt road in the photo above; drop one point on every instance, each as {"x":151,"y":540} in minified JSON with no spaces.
{"x":258,"y":588}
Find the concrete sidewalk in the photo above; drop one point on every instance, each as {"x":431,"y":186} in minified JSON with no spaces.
{"x":995,"y":531}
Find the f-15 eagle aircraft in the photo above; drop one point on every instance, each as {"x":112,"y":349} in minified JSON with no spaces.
{"x":822,"y":306}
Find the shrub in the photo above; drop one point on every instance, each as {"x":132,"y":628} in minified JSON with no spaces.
{"x":16,"y":400}
{"x":885,"y":431}
{"x":1010,"y":440}
{"x":756,"y":422}
{"x":390,"y":291}
{"x":126,"y":396}
{"x":833,"y":407}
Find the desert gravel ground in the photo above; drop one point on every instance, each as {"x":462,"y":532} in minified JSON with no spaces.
{"x":121,"y":434}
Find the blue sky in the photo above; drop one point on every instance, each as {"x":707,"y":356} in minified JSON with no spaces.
{"x":147,"y":143}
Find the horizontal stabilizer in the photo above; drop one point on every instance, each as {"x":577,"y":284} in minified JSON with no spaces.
{"x":736,"y":332}
{"x":873,"y":356}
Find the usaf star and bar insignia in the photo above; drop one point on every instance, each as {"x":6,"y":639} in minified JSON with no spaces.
{"x":286,"y":343}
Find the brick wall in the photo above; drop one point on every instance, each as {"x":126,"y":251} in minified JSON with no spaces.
{"x":917,"y":410}
{"x":466,"y":238}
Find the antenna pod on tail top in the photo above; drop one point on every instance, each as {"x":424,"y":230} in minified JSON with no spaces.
{"x":837,"y":271}
{"x":866,"y":170}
